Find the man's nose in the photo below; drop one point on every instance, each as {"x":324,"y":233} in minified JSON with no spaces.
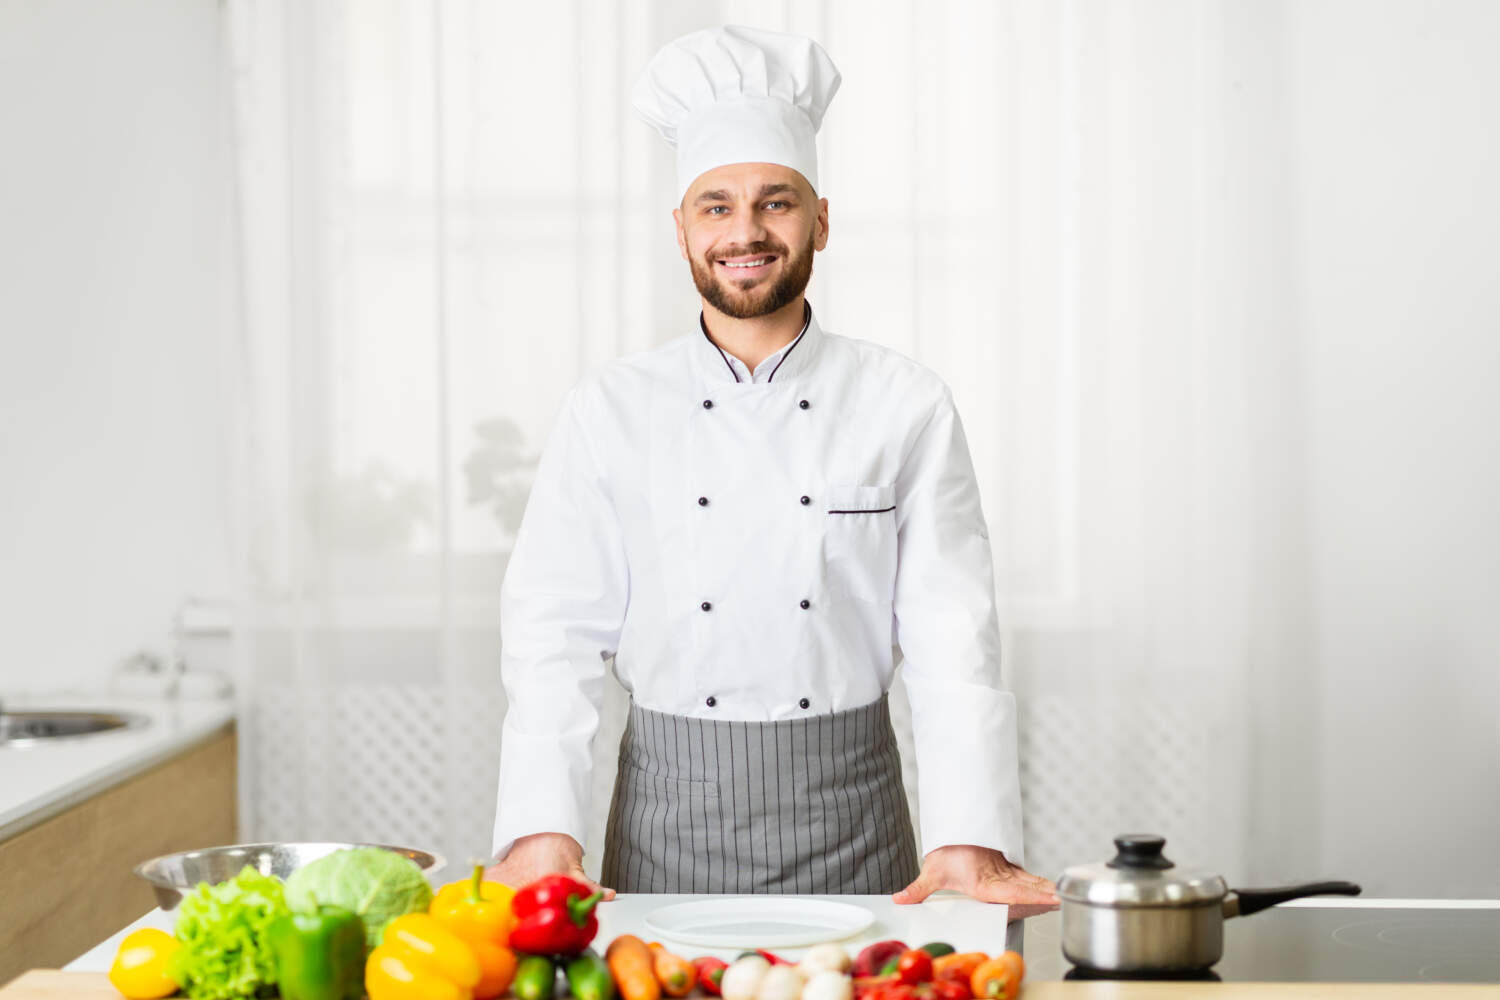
{"x":747,"y":227}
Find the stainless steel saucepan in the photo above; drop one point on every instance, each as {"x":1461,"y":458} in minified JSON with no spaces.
{"x":1141,"y":913}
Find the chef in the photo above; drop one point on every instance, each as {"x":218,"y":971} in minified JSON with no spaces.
{"x":753,"y":520}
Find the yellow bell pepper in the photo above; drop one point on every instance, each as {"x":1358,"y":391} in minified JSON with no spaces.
{"x":475,"y":909}
{"x":479,"y":913}
{"x":420,"y":959}
{"x":139,"y":970}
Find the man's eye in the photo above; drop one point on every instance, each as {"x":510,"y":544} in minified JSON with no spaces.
{"x":715,"y":209}
{"x":772,"y":204}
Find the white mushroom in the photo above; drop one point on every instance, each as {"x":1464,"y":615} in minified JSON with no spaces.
{"x":830,"y":984}
{"x":742,"y":978}
{"x":822,"y":957}
{"x":781,"y":982}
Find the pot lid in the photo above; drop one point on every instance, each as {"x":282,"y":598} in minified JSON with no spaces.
{"x":1140,"y":875}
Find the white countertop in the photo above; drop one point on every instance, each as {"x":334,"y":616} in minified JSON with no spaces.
{"x":37,"y":782}
{"x":962,"y":922}
{"x":966,"y":924}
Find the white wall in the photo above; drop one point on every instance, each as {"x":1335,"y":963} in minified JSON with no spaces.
{"x":1398,"y":159}
{"x":114,"y":273}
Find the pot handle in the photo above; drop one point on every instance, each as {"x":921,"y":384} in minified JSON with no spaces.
{"x":1243,"y":902}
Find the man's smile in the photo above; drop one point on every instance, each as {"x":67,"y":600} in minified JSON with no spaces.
{"x":749,"y":266}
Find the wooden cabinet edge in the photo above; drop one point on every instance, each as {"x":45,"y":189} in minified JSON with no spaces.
{"x":67,"y":880}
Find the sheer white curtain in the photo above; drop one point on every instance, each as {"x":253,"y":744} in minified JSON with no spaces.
{"x":1074,"y":212}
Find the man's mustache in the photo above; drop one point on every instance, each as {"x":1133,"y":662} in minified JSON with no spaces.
{"x":720,"y":253}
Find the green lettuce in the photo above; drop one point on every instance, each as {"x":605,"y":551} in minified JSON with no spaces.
{"x":377,"y":884}
{"x":225,"y":952}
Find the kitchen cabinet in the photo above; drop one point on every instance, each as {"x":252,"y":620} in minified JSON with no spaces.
{"x":66,"y":867}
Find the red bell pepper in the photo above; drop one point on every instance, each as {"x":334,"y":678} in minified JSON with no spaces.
{"x":710,"y":972}
{"x":555,"y":916}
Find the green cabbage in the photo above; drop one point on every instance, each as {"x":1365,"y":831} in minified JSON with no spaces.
{"x":222,"y":928}
{"x":377,"y":884}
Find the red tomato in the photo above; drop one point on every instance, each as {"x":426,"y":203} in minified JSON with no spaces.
{"x":915,"y":967}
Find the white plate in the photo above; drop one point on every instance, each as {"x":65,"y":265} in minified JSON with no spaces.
{"x":758,"y":921}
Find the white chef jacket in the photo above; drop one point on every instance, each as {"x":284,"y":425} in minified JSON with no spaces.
{"x":681,"y":518}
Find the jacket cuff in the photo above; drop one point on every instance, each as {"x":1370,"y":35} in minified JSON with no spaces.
{"x":978,"y":803}
{"x":543,"y":788}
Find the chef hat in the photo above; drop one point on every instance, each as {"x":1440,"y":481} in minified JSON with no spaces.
{"x":738,"y":95}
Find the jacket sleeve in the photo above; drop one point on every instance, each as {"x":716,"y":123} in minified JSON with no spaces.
{"x":562,"y":606}
{"x":963,"y":721}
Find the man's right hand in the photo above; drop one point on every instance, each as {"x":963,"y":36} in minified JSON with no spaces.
{"x":540,"y":854}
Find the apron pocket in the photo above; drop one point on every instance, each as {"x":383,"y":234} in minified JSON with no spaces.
{"x":640,"y":778}
{"x":859,"y":540}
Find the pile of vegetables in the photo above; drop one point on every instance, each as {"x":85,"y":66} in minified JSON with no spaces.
{"x":886,"y":970}
{"x":363,"y":922}
{"x":889,"y":970}
{"x":255,"y":936}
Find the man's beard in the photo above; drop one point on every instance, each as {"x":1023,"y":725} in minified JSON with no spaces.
{"x":796,"y":272}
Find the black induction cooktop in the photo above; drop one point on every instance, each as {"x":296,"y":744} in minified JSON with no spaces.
{"x":1377,"y":941}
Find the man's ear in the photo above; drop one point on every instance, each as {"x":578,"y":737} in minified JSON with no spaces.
{"x":681,"y":234}
{"x":821,"y":225}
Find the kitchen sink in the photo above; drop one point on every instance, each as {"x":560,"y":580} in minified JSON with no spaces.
{"x":32,"y":728}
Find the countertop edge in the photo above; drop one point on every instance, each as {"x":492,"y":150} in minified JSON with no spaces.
{"x":69,"y":795}
{"x":49,"y":984}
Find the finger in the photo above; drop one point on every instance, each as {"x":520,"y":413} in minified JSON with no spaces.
{"x":577,"y":872}
{"x":1003,"y":891}
{"x":925,"y":885}
{"x":1017,"y":879}
{"x":1025,"y":876}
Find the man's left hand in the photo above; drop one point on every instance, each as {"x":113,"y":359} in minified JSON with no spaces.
{"x":985,"y":875}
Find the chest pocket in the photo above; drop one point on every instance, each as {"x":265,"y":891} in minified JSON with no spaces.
{"x":859,"y":540}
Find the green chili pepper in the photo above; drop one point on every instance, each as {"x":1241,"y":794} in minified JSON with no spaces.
{"x":319,"y":956}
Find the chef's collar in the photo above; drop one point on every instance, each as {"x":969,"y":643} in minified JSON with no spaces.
{"x":796,"y":356}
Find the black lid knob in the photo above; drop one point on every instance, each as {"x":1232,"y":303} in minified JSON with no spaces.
{"x":1140,"y":851}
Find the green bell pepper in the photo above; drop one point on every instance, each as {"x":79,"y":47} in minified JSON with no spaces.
{"x":319,"y":956}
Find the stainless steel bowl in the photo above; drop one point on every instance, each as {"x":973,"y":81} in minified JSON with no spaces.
{"x":172,"y":875}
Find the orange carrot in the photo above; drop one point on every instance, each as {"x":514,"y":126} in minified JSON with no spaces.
{"x":631,"y":964}
{"x":675,"y":973}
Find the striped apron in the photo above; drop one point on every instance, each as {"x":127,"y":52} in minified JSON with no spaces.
{"x":809,"y":805}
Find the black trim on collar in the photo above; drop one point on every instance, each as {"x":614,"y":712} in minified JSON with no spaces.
{"x":806,"y":319}
{"x":704,"y":327}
